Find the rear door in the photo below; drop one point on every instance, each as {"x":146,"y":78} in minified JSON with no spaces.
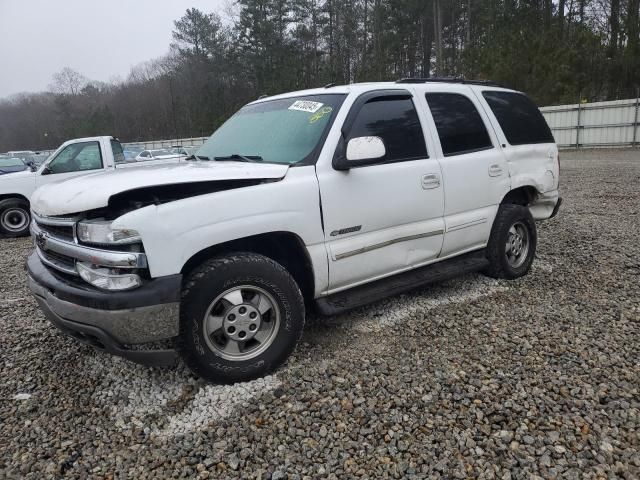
{"x":387,"y":217}
{"x":475,"y":172}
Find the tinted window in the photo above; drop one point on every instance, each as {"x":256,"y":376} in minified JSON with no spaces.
{"x":459,"y":125}
{"x":395,"y":120}
{"x":519,"y":118}
{"x":77,"y":157}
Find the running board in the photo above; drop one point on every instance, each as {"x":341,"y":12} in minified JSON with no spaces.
{"x":402,"y":282}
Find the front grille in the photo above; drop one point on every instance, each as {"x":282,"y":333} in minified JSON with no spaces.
{"x":57,"y":261}
{"x":58,"y":231}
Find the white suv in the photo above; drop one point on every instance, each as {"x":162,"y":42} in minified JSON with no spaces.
{"x":327,"y":198}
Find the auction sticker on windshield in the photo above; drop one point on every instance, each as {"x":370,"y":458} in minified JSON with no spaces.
{"x":306,"y":106}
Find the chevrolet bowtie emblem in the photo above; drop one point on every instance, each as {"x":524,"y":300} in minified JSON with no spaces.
{"x":41,"y":240}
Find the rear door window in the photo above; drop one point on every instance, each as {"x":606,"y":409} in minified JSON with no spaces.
{"x":519,"y":118}
{"x":118,"y":153}
{"x":395,"y":121}
{"x":460,"y":126}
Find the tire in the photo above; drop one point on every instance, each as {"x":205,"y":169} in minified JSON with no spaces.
{"x":512,"y":245}
{"x":14,"y":218}
{"x":228,"y":337}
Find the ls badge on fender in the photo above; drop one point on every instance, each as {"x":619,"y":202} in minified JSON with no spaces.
{"x":344,"y":231}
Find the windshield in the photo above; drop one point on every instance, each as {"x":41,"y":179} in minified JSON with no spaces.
{"x":278,"y":131}
{"x":11,"y":162}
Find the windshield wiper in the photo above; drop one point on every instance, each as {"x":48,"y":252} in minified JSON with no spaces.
{"x":196,"y":157}
{"x":241,"y":158}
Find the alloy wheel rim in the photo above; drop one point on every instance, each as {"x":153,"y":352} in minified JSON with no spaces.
{"x":14,"y":219}
{"x":241,"y":323}
{"x":517,"y":246}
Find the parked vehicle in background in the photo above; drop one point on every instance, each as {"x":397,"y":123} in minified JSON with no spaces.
{"x":76,"y":157}
{"x":183,"y":150}
{"x":12,"y":165}
{"x":21,"y":153}
{"x":40,"y":158}
{"x":327,"y":198}
{"x":132,"y":151}
{"x":158,"y":154}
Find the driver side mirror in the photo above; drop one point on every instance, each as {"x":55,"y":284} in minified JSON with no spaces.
{"x":361,"y":151}
{"x":365,"y":148}
{"x":46,"y":171}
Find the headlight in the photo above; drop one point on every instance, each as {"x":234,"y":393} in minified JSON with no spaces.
{"x":104,"y":278}
{"x":101,"y":232}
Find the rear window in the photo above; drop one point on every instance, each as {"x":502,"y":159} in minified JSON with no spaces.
{"x":460,"y":126}
{"x":519,"y":118}
{"x":118,"y":154}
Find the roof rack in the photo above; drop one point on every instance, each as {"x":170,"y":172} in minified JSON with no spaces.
{"x":488,"y":83}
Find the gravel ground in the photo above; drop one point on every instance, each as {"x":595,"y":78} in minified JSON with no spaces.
{"x":479,"y":378}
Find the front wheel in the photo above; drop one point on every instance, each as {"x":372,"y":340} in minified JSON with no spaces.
{"x":14,"y":218}
{"x":512,"y":245}
{"x":241,"y":317}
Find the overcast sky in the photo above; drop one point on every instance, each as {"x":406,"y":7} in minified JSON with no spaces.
{"x":102,"y":39}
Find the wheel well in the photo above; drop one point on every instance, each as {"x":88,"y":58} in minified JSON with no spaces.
{"x":286,"y":248}
{"x":13,"y":195}
{"x":520,"y":196}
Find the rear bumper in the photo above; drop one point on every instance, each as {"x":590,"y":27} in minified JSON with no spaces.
{"x":111,"y":321}
{"x":546,"y":205}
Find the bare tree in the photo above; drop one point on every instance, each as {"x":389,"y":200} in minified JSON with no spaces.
{"x":68,"y":82}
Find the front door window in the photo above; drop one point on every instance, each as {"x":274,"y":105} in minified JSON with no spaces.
{"x":77,"y":157}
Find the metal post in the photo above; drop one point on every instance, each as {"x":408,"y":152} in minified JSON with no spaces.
{"x":635,"y":120}
{"x":578,"y":125}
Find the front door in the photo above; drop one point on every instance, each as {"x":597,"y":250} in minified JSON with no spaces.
{"x":383,"y":218}
{"x":73,"y":160}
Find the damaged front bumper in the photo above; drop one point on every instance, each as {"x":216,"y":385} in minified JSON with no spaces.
{"x":111,"y":321}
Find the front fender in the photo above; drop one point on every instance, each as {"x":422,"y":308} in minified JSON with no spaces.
{"x":174,"y":232}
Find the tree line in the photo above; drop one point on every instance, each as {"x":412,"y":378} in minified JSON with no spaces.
{"x":561,"y":51}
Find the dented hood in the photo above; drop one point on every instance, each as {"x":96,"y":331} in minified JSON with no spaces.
{"x":92,"y":191}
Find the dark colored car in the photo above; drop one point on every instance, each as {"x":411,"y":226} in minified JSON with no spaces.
{"x":11,"y":165}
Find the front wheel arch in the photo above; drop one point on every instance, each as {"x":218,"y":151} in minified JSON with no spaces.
{"x":286,"y":248}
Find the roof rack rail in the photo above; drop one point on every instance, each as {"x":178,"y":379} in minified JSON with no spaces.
{"x":488,"y":83}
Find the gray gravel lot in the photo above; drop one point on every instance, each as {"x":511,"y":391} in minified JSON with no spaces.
{"x":473,"y":378}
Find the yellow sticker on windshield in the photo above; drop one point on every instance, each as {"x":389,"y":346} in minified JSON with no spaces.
{"x":319,"y":114}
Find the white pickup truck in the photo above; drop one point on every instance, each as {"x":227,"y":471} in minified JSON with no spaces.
{"x":80,"y":156}
{"x":327,"y":198}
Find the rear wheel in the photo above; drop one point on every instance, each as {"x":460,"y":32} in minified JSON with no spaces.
{"x":241,"y":317}
{"x":512,"y":246}
{"x":14,"y":218}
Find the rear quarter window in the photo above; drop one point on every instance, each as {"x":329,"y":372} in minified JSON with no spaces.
{"x":519,"y":118}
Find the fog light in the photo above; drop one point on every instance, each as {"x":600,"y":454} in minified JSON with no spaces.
{"x":104,"y":279}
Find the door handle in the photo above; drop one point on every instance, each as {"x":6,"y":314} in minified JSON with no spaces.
{"x":495,"y":170}
{"x":430,"y":180}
